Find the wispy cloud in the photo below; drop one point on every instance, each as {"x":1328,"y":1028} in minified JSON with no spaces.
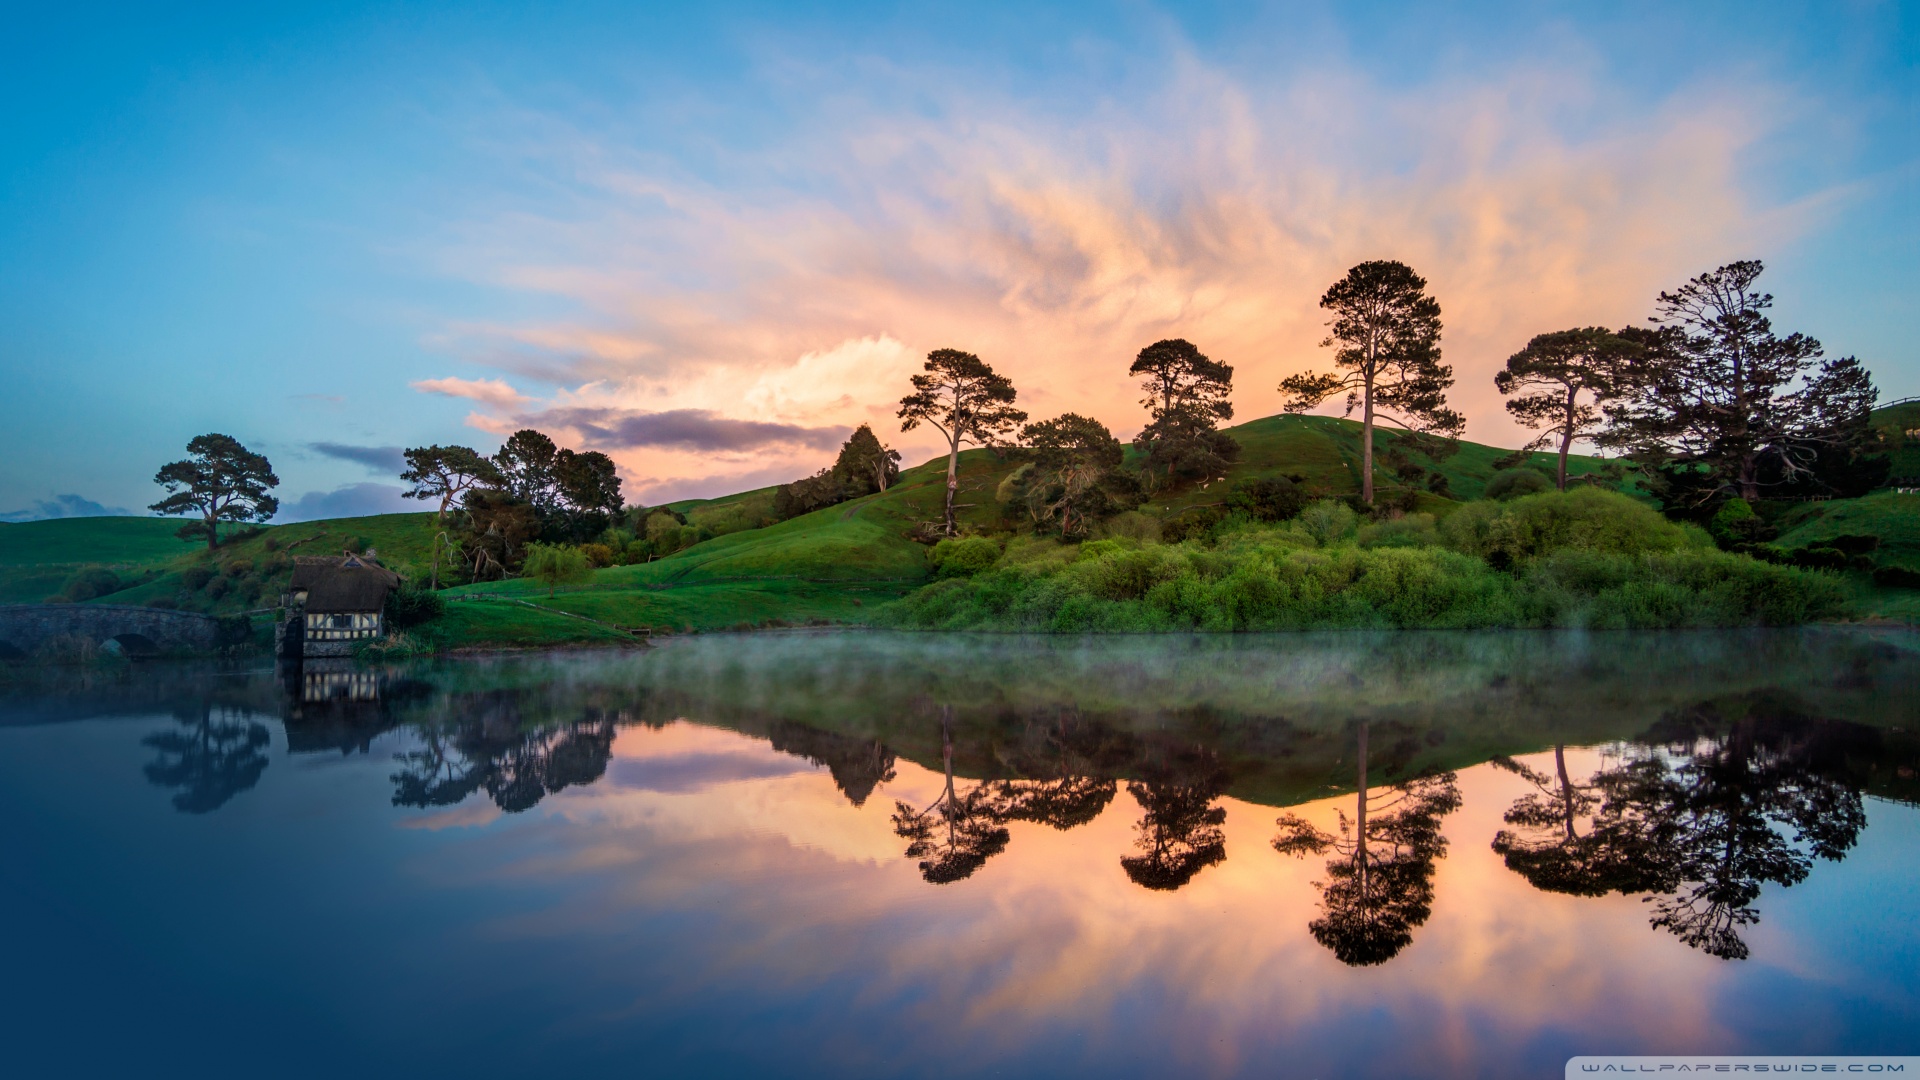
{"x":1198,"y":204}
{"x":386,"y":460}
{"x":496,"y":392}
{"x":64,"y":506}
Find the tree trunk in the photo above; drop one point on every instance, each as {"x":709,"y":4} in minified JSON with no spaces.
{"x":1566,"y":786}
{"x":953,"y":479}
{"x":1566,"y":440}
{"x":1749,"y":480}
{"x":1360,"y":829}
{"x":213,"y":529}
{"x":1366,"y":454}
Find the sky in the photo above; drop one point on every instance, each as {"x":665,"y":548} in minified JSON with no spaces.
{"x":710,"y":240}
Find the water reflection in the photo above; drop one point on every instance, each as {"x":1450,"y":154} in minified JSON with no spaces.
{"x":1379,"y":885}
{"x":1703,"y":809}
{"x":215,"y":754}
{"x":492,"y":748}
{"x":1713,"y":779}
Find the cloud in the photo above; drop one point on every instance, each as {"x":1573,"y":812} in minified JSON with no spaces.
{"x":387,"y":460}
{"x":64,"y":506}
{"x":798,"y":281}
{"x":685,"y":429}
{"x":352,"y":500}
{"x":495,"y":392}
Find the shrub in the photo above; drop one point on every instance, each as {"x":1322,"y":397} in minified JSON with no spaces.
{"x":409,"y":608}
{"x":1132,"y":525}
{"x":598,"y":555}
{"x":962,"y":556}
{"x":1820,"y":558}
{"x":216,"y":588}
{"x":1585,"y":518}
{"x":1897,"y":577}
{"x":1401,"y":530}
{"x":90,"y":582}
{"x":196,"y":577}
{"x":1735,"y":525}
{"x":1195,"y":523}
{"x":1271,"y":498}
{"x":237,"y":568}
{"x":554,"y":565}
{"x":1514,"y":483}
{"x":1328,"y":521}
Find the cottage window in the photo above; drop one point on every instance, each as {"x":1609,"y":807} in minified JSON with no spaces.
{"x":342,"y":622}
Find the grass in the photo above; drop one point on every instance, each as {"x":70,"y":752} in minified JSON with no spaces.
{"x":840,"y":564}
{"x":108,"y":541}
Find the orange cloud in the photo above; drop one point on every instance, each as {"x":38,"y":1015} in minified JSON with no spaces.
{"x":495,"y":392}
{"x":1217,"y":211}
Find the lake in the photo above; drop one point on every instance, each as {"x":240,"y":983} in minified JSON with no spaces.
{"x":865,"y":854}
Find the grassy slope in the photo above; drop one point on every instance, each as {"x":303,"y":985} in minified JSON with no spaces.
{"x":831,"y":565}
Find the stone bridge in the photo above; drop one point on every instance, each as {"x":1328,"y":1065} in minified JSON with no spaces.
{"x":25,"y":628}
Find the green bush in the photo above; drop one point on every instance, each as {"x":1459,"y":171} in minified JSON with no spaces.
{"x":409,"y":608}
{"x":1585,"y":518}
{"x":1401,"y":530}
{"x":1896,"y":577}
{"x":1514,"y":483}
{"x":1735,"y":525}
{"x":554,"y":565}
{"x":196,"y":577}
{"x":90,"y":582}
{"x":1271,"y":498}
{"x":962,"y":556}
{"x":1279,"y":578}
{"x":1329,"y":521}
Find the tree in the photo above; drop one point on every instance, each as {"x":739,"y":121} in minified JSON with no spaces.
{"x":857,"y":765}
{"x":221,"y":481}
{"x":494,"y":532}
{"x":865,"y":463}
{"x":1186,"y":400}
{"x":1075,"y":474}
{"x":527,"y":462}
{"x":587,"y":491}
{"x":1388,"y":334}
{"x":1552,"y":372}
{"x":862,"y":468}
{"x":444,"y":472}
{"x":1380,"y":881}
{"x":1721,"y":405}
{"x":554,"y":565}
{"x":966,"y":401}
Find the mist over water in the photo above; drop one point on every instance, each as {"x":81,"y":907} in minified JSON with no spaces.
{"x":948,"y":855}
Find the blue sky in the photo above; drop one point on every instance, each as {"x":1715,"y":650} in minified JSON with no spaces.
{"x":710,"y":239}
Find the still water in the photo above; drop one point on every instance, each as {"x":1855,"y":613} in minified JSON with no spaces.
{"x":842,"y":854}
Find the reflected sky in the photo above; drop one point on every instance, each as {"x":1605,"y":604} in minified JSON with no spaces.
{"x":693,"y":862}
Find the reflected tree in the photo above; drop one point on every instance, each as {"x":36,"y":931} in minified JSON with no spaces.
{"x":1069,"y":782}
{"x":960,"y":831}
{"x":1715,"y":802}
{"x":857,"y":765}
{"x":1572,"y":838}
{"x":1180,"y":832}
{"x":489,"y":750}
{"x":1379,"y":885}
{"x":209,"y":759}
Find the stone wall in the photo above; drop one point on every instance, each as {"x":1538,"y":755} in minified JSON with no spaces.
{"x":26,"y":627}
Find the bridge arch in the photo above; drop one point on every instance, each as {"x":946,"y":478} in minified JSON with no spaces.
{"x":136,"y":630}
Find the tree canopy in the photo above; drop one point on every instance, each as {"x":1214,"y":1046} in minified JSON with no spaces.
{"x":966,"y":401}
{"x":1720,"y":405}
{"x":1186,"y":400}
{"x":1386,"y":334}
{"x":445,"y":472}
{"x":220,"y":480}
{"x":1552,"y":373}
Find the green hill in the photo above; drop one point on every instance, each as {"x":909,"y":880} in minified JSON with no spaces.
{"x":833,"y":565}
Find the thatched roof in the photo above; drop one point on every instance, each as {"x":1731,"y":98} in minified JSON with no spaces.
{"x":341,"y":585}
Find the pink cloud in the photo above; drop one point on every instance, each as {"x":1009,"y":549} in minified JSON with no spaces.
{"x":1531,"y":199}
{"x":495,"y":392}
